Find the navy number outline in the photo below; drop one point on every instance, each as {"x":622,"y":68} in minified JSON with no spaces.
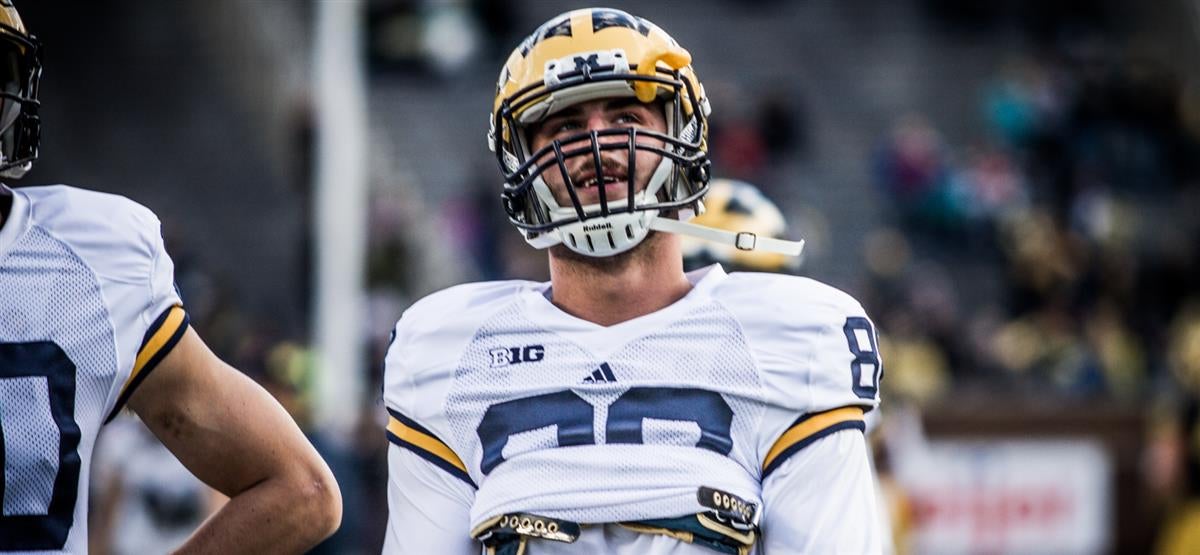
{"x":45,"y":531}
{"x":868,"y":355}
{"x":573,"y":417}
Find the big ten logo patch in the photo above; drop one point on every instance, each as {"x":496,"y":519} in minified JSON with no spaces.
{"x":516,"y":355}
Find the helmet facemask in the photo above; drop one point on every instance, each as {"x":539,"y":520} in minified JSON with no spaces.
{"x":609,"y":226}
{"x":20,"y":125}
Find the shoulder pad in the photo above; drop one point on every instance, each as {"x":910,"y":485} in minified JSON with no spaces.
{"x":118,"y":237}
{"x":814,"y":343}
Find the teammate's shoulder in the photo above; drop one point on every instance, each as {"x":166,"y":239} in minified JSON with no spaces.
{"x":119,"y":239}
{"x":66,"y":209}
{"x":786,"y":292}
{"x":82,"y":203}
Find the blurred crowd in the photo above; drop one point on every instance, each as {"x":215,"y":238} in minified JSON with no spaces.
{"x":1056,"y":257}
{"x":1074,"y":208}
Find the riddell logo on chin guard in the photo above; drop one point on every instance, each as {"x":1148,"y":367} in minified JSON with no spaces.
{"x":516,"y":355}
{"x":597,"y":227}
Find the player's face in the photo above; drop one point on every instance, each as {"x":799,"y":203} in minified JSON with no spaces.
{"x":620,"y":113}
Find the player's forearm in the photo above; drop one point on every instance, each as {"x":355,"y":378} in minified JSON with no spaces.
{"x":237,"y":439}
{"x":279,"y":515}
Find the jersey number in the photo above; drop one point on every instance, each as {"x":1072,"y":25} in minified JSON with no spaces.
{"x":866,"y":368}
{"x":573,"y":418}
{"x":39,"y":443}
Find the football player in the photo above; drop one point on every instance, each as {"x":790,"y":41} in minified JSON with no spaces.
{"x":625,"y":406}
{"x":90,"y":322}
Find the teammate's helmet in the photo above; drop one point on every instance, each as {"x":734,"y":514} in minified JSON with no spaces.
{"x":738,"y":206}
{"x":585,"y":55}
{"x":20,"y":70}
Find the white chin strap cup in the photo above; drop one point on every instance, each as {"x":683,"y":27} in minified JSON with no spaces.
{"x":741,"y":240}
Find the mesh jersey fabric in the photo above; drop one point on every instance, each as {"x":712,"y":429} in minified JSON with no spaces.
{"x":594,"y":481}
{"x":770,"y":348}
{"x":83,"y":276}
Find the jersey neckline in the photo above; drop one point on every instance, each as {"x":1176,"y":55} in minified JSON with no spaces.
{"x":16,"y":222}
{"x":537,"y":303}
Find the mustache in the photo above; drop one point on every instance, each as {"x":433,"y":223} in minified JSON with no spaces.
{"x":610,"y":169}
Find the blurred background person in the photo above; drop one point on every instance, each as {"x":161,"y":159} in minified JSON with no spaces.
{"x":738,"y":206}
{"x":143,"y":499}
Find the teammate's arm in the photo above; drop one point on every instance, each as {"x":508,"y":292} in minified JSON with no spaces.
{"x":236,"y":438}
{"x":821,"y":499}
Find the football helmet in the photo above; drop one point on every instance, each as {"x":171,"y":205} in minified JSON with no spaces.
{"x":736,"y":205}
{"x":20,"y":71}
{"x":590,"y":54}
{"x":585,"y":55}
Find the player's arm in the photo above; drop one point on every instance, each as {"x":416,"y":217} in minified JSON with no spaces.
{"x":236,"y":438}
{"x":821,"y":498}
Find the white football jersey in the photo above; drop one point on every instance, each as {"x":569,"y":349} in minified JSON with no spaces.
{"x":524,"y":409}
{"x":88,"y":307}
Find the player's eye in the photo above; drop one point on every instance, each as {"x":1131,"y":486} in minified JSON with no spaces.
{"x":628,"y":118}
{"x":563,"y":126}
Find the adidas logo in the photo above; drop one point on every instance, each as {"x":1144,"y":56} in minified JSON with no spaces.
{"x":603,"y":374}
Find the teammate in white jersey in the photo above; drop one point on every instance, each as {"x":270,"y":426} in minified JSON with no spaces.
{"x":90,"y":322}
{"x":625,"y":406}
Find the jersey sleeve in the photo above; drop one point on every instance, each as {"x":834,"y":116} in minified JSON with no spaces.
{"x":156,"y":316}
{"x":428,"y":509}
{"x":822,"y":500}
{"x":838,"y":382}
{"x":120,"y":242}
{"x":417,"y":374}
{"x":430,"y":489}
{"x":818,"y":358}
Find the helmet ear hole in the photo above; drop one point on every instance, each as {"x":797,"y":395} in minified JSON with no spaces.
{"x":510,"y":206}
{"x":700,"y":173}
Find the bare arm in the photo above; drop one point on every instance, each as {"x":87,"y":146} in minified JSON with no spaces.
{"x":236,"y":438}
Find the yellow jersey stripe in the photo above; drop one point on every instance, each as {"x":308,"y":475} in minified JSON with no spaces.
{"x":156,"y":342}
{"x":808,"y":428}
{"x":160,"y":338}
{"x":417,"y":439}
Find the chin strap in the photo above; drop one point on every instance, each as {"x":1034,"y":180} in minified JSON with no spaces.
{"x":741,"y":240}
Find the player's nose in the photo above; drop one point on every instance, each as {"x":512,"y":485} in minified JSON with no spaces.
{"x":600,"y":121}
{"x":596,"y":121}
